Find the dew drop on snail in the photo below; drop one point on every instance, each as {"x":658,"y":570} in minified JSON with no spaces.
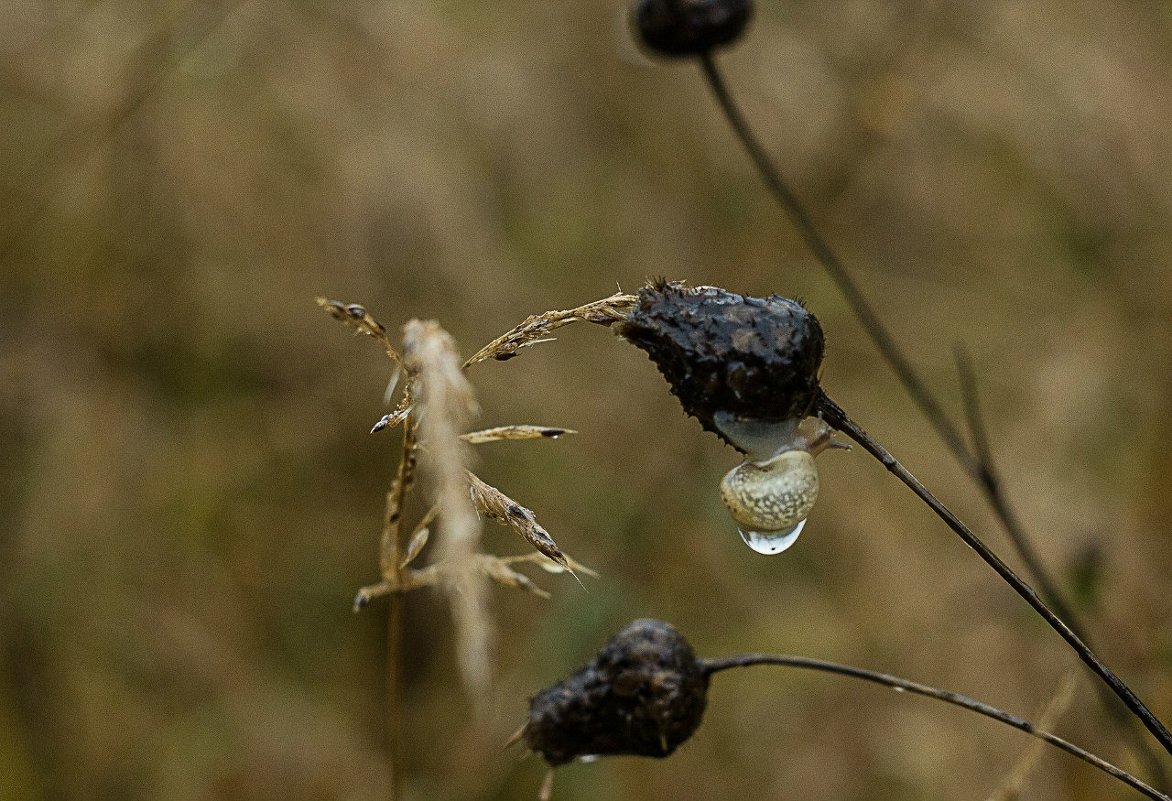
{"x":772,"y":542}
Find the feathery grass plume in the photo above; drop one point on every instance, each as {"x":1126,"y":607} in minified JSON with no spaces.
{"x":435,"y":378}
{"x":445,"y":405}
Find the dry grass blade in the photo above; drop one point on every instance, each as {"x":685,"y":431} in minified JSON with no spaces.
{"x":445,"y":404}
{"x":493,"y":503}
{"x":390,"y":544}
{"x":502,"y":433}
{"x":537,"y":328}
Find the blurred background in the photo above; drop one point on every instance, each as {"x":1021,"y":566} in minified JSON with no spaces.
{"x":189,"y":498}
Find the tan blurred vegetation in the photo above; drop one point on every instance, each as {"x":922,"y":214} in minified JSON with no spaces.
{"x":189,"y":498}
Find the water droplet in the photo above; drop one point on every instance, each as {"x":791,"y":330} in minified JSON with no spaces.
{"x":772,"y":542}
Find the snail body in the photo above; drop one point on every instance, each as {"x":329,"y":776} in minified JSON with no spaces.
{"x":772,"y":496}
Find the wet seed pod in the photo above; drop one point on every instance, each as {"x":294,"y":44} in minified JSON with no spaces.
{"x":643,"y":694}
{"x":690,"y":27}
{"x":727,"y":355}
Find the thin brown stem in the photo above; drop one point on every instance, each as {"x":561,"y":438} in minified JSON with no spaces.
{"x":904,"y":685}
{"x":976,"y":461}
{"x":833,"y":414}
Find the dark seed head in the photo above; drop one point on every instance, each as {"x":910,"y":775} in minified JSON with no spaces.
{"x":690,"y":27}
{"x":754,"y":358}
{"x":643,"y":694}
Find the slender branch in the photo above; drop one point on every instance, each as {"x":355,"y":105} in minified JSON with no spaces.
{"x":976,"y":461}
{"x":747,"y":660}
{"x":833,"y":414}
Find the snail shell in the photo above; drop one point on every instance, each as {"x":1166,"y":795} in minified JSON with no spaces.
{"x":771,"y":496}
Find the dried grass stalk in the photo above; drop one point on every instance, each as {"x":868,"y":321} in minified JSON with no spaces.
{"x":537,"y":328}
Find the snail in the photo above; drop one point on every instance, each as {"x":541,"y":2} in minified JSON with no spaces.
{"x":771,"y":496}
{"x":771,"y":493}
{"x":747,"y":369}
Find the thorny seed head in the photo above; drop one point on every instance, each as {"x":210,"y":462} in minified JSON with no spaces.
{"x":690,"y":27}
{"x":643,"y":694}
{"x":744,"y":357}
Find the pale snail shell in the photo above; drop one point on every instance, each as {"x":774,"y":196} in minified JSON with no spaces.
{"x":774,"y":495}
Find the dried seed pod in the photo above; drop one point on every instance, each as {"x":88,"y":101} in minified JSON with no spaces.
{"x":690,"y":27}
{"x":731,"y":355}
{"x":643,"y":694}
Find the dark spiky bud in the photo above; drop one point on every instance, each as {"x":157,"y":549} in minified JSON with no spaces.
{"x":690,"y":27}
{"x":754,"y":358}
{"x":643,"y":694}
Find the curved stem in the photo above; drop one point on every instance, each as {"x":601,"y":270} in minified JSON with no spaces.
{"x":711,"y":666}
{"x":976,"y":461}
{"x":833,"y":414}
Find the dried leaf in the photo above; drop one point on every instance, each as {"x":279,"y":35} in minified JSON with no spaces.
{"x":536,"y":328}
{"x":514,"y":432}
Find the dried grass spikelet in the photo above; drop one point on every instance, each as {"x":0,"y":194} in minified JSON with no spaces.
{"x":537,"y":328}
{"x":494,"y":504}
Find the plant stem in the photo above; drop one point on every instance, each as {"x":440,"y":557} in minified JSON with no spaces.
{"x":391,"y":548}
{"x":747,"y":660}
{"x":833,"y":414}
{"x":395,"y":693}
{"x":977,"y":461}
